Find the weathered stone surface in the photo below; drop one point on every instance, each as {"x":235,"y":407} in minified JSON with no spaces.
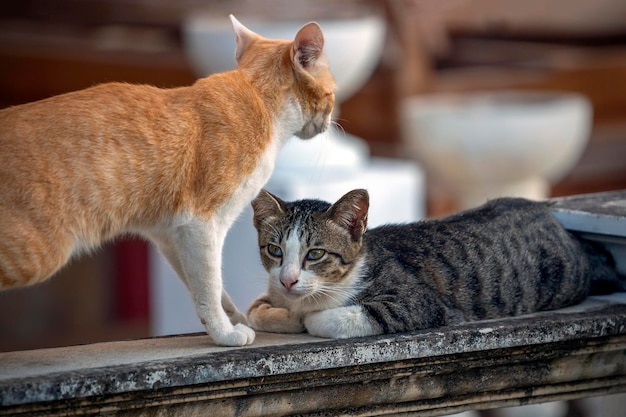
{"x":574,"y":352}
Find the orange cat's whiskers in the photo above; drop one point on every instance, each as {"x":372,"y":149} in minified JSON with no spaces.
{"x":336,"y":126}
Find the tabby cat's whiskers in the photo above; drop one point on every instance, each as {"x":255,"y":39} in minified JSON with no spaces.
{"x":329,"y":295}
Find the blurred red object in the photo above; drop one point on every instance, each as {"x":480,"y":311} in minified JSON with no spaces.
{"x":132,"y":280}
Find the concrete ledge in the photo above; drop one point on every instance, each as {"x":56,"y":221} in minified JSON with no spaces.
{"x":569,"y":353}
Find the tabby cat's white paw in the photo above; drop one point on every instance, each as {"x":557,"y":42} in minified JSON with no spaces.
{"x":240,"y":335}
{"x":340,"y":323}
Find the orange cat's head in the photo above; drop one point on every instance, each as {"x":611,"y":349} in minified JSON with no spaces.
{"x":295,"y":73}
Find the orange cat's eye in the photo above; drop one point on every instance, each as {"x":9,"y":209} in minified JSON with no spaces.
{"x":274,"y":250}
{"x":315,"y":254}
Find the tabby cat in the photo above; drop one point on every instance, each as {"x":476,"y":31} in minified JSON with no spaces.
{"x":328,"y":276}
{"x":173,"y":165}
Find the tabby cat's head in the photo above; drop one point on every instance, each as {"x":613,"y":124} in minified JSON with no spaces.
{"x":293,"y":73}
{"x":310,"y":248}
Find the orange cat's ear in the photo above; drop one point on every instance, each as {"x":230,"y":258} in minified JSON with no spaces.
{"x":308,"y":45}
{"x":350,"y":212}
{"x":266,"y":206}
{"x":243,"y":35}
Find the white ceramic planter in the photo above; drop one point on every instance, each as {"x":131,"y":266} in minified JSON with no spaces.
{"x":509,"y":143}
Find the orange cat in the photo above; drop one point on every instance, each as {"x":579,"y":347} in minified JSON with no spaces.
{"x":173,"y":165}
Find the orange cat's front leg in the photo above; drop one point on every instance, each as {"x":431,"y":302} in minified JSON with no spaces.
{"x":263,"y":316}
{"x":194,"y":250}
{"x":232,"y":311}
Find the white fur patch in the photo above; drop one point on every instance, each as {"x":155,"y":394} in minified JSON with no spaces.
{"x":290,"y":120}
{"x":292,"y":257}
{"x":340,"y":323}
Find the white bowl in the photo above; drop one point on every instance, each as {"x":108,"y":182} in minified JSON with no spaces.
{"x":353,"y":45}
{"x":492,"y":143}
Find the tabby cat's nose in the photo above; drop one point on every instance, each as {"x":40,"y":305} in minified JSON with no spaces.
{"x":288,"y":280}
{"x":288,"y":284}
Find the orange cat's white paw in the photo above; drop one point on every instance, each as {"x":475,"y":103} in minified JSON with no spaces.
{"x":240,"y":335}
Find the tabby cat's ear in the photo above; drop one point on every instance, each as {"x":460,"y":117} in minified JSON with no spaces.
{"x":350,"y":212}
{"x":243,"y":35}
{"x":266,"y":206}
{"x":308,"y":46}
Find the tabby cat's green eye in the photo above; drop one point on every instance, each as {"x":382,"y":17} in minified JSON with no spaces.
{"x":315,"y":254}
{"x":274,"y":250}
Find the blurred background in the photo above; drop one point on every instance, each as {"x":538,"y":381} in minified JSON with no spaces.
{"x":425,"y":49}
{"x":412,"y":55}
